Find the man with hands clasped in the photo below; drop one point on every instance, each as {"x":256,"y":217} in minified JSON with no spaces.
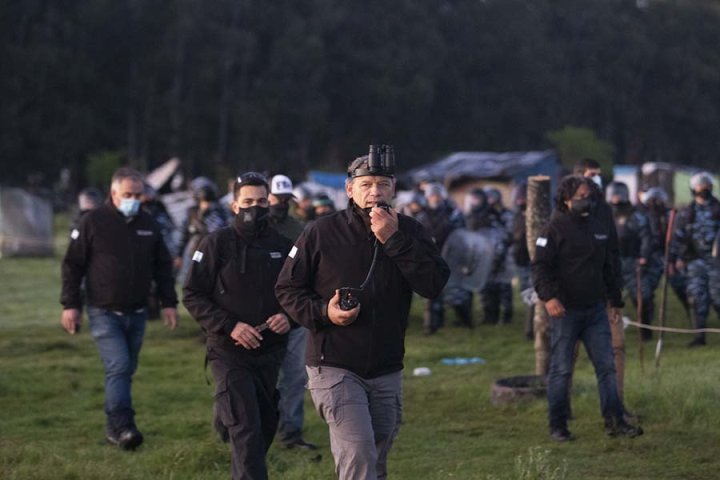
{"x":229,"y":291}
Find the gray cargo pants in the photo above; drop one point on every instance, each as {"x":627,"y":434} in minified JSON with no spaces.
{"x":363,"y":416}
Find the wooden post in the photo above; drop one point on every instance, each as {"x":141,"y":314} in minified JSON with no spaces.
{"x":539,"y":208}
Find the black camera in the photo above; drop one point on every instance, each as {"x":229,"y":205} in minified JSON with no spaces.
{"x":349,"y":298}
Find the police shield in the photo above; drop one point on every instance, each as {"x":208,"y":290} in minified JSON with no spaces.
{"x":469,"y":254}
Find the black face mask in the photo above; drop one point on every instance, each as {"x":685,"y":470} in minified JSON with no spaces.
{"x":280,"y":211}
{"x":251,"y":220}
{"x":704,"y":194}
{"x":582,"y":207}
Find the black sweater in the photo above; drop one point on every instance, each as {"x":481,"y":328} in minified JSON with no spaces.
{"x":336,"y":251}
{"x":119,"y":259}
{"x":232,"y":279}
{"x":574,"y":261}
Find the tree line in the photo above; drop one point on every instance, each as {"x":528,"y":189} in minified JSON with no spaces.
{"x":230,"y":85}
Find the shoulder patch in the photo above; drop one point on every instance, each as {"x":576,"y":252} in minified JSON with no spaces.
{"x":293,"y":252}
{"x":75,"y":234}
{"x":541,"y":242}
{"x":197,"y":256}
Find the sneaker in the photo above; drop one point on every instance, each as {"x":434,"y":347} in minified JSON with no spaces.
{"x":298,"y":442}
{"x":561,"y":435}
{"x":128,"y":439}
{"x":622,"y":429}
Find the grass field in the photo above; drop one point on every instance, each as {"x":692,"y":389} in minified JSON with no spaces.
{"x":51,"y":405}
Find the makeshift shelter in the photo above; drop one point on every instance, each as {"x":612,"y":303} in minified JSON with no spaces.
{"x":26,"y":224}
{"x":462,"y":171}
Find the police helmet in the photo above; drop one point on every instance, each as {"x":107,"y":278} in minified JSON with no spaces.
{"x":619,"y":191}
{"x":701,"y":179}
{"x":654,"y":196}
{"x":205,"y":193}
{"x":494,"y":197}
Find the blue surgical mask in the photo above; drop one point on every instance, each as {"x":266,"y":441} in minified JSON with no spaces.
{"x":129,"y":206}
{"x":597,"y":179}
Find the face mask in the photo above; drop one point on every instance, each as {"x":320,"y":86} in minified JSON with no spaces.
{"x":279,"y":212}
{"x":581,"y":207}
{"x":252,"y":219}
{"x":704,"y":194}
{"x":129,"y":206}
{"x":597,"y":179}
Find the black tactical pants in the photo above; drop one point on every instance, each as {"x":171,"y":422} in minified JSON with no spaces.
{"x":246,"y":403}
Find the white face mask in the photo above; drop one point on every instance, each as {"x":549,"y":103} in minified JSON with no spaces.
{"x":597,"y":179}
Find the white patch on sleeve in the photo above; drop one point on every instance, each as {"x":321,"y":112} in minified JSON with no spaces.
{"x":541,"y":242}
{"x":293,"y":251}
{"x":75,"y":234}
{"x":197,"y":256}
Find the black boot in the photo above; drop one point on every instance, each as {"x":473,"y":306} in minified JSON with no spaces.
{"x":463,"y":312}
{"x":698,"y":323}
{"x":647,"y":315}
{"x":620,"y":428}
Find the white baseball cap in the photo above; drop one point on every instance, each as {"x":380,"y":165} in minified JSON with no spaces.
{"x":281,"y":185}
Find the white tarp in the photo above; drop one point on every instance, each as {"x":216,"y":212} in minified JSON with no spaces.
{"x":26,"y":224}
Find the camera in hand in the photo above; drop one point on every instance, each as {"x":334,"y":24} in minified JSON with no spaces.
{"x":349,"y":298}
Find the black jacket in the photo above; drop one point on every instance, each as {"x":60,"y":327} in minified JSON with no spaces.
{"x":574,"y":261}
{"x":232,"y":279}
{"x":119,"y":259}
{"x":336,"y":251}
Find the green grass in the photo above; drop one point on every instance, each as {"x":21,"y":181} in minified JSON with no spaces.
{"x":51,"y":405}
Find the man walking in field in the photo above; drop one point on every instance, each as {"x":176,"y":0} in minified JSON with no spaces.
{"x":118,"y":249}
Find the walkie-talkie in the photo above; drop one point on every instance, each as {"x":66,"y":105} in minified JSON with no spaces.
{"x":349,"y":296}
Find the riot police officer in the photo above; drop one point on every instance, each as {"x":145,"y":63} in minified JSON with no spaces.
{"x":697,"y":230}
{"x":633,"y":231}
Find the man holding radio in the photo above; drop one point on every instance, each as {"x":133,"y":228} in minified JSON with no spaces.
{"x":355,"y":354}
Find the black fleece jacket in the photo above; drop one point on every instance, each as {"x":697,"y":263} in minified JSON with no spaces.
{"x":232,"y":279}
{"x":118,"y":257}
{"x":336,"y":251}
{"x":574,"y":261}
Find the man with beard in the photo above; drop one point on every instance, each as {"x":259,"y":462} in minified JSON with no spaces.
{"x":229,"y":291}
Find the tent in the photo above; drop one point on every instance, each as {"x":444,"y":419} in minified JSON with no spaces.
{"x":26,"y":224}
{"x":462,"y":171}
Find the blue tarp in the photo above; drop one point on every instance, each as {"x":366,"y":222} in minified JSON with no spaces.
{"x":329,"y":179}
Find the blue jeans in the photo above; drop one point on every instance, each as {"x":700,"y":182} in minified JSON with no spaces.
{"x":591,"y":326}
{"x":118,"y":337}
{"x":291,"y":385}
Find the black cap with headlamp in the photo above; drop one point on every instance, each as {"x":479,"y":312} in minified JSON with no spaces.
{"x":380,"y":162}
